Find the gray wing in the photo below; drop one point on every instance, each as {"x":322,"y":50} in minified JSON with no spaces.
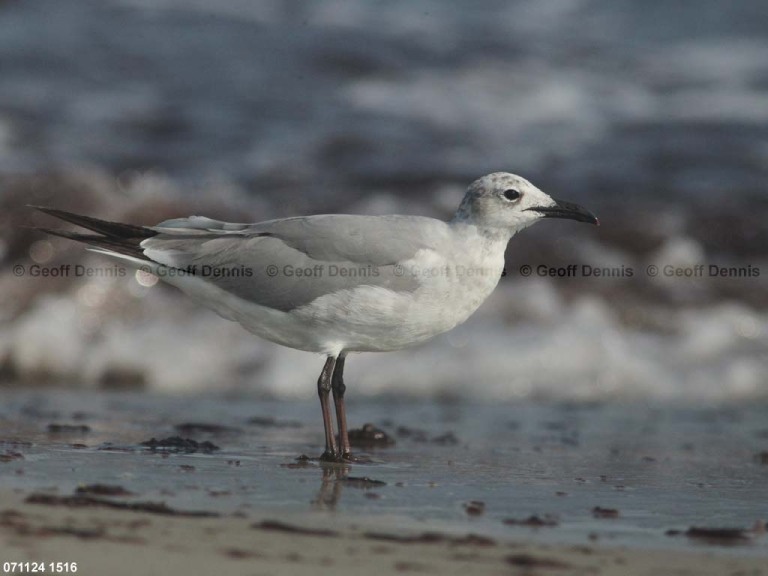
{"x":285,"y":264}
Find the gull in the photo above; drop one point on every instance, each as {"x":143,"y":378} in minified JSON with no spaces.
{"x":334,"y":284}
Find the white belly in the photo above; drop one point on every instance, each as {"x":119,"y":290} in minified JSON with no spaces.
{"x":369,"y":318}
{"x":451,"y":286}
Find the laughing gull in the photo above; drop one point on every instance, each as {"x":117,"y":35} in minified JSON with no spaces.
{"x":337,"y":283}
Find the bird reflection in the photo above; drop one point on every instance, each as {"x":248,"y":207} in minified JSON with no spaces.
{"x":330,"y":486}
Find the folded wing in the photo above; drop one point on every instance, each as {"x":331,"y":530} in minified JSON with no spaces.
{"x":285,"y":264}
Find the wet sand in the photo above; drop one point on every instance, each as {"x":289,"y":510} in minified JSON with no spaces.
{"x":92,"y":478}
{"x":104,"y":541}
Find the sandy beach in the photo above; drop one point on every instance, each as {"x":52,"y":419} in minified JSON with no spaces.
{"x":126,"y":483}
{"x":104,"y":541}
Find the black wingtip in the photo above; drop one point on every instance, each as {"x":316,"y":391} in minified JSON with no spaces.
{"x":69,"y":235}
{"x":105,"y":227}
{"x":47,"y":210}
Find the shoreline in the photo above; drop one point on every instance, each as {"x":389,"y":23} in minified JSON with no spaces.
{"x":119,"y":541}
{"x":141,"y":483}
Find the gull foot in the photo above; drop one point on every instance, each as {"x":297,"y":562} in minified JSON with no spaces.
{"x":346,"y":458}
{"x":329,"y":456}
{"x":350,"y":458}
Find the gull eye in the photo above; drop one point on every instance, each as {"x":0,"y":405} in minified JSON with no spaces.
{"x":511,"y":194}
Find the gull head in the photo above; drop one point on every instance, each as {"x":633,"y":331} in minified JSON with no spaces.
{"x":509,"y":202}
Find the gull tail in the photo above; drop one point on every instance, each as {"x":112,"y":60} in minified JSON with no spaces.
{"x":111,"y":237}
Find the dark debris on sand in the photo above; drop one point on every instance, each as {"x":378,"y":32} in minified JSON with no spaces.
{"x":103,"y":490}
{"x":20,"y":524}
{"x":10,"y":456}
{"x":302,"y":461}
{"x":529,"y":562}
{"x":414,"y":434}
{"x":533,"y":521}
{"x":369,"y":436}
{"x":88,"y":501}
{"x":277,"y":526}
{"x":474,"y":508}
{"x":68,"y":429}
{"x":599,"y":512}
{"x":432,"y":538}
{"x":722,"y":536}
{"x":179,"y":445}
{"x":361,"y":482}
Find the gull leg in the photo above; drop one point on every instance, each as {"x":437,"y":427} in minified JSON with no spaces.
{"x":323,"y":390}
{"x":338,"y":388}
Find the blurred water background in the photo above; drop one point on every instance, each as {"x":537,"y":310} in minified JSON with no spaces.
{"x":654,"y":115}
